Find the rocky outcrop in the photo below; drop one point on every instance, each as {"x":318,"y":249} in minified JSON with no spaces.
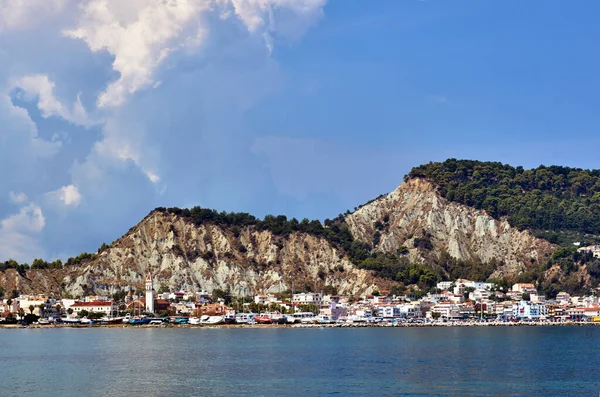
{"x":416,"y":211}
{"x":181,"y":255}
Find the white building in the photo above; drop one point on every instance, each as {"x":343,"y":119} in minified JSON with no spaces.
{"x":108,"y":308}
{"x":479,"y":294}
{"x":29,"y":302}
{"x":388,"y":311}
{"x":447,"y":310}
{"x":523,"y":288}
{"x":529,"y":310}
{"x":307,"y":298}
{"x":444,"y":285}
{"x":149,"y":294}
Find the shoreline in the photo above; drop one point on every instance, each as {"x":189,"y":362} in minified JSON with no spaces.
{"x":296,"y":326}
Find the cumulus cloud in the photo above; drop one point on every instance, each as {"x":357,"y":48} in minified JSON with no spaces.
{"x":142,"y":34}
{"x":69,"y":195}
{"x":29,"y":219}
{"x":39,"y":86}
{"x":18,"y":232}
{"x":170,"y":81}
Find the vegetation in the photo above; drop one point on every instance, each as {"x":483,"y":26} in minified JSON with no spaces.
{"x":543,"y":199}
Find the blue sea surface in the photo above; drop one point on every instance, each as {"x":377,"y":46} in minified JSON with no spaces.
{"x":449,"y":361}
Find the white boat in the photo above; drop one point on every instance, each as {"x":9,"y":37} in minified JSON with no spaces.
{"x":308,"y":320}
{"x":85,"y":320}
{"x":245,"y":318}
{"x":127,"y":318}
{"x":212,"y":320}
{"x":43,"y":321}
{"x":70,"y":320}
{"x":300,"y":317}
{"x":324,"y":319}
{"x":194,"y":321}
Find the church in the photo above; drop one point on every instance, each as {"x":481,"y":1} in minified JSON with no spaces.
{"x":149,"y":303}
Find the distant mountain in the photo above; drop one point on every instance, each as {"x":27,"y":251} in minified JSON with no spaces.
{"x":456,"y":219}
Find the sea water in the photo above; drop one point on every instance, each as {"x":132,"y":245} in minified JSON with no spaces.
{"x":445,"y":361}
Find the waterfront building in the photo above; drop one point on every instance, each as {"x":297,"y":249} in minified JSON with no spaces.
{"x":530,"y":310}
{"x":388,"y":311}
{"x":446,"y":310}
{"x":26,"y":301}
{"x":333,"y":310}
{"x":108,"y":308}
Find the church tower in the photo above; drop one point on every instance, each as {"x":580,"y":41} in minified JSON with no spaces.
{"x":149,"y":294}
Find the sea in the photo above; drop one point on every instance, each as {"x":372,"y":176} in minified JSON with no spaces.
{"x":438,"y":361}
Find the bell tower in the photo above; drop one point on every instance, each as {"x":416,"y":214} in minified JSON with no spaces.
{"x":149,"y":294}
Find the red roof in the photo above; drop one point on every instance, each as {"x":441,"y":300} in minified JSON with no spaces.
{"x":94,"y":303}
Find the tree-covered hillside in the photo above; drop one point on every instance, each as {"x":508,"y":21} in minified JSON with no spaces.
{"x":545,"y":199}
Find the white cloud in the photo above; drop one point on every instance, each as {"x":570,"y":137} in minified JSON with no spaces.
{"x":25,"y":14}
{"x":69,"y":195}
{"x":18,"y":233}
{"x":17,"y":198}
{"x":41,"y":87}
{"x":142,"y":34}
{"x":29,"y":219}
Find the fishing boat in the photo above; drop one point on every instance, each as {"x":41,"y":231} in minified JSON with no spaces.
{"x":70,"y":320}
{"x":140,"y":320}
{"x":245,"y":318}
{"x":264,"y":318}
{"x":324,"y":319}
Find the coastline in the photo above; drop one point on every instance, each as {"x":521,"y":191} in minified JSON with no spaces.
{"x":296,"y":326}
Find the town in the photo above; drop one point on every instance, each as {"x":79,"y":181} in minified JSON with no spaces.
{"x":453,"y":303}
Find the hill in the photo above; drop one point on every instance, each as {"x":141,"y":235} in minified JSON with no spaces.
{"x":456,"y":219}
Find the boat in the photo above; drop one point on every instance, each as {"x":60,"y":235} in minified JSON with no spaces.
{"x":245,"y":318}
{"x":298,"y":317}
{"x":324,"y":319}
{"x":194,"y":321}
{"x":264,"y":318}
{"x":113,"y":320}
{"x":308,"y":320}
{"x":229,"y":319}
{"x":140,"y":320}
{"x":204,"y":319}
{"x":43,"y":321}
{"x":278,"y":318}
{"x":213,"y":320}
{"x":85,"y":320}
{"x":70,"y":320}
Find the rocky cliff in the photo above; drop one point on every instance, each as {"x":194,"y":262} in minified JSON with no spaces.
{"x":181,"y":255}
{"x":416,"y":218}
{"x":194,"y":250}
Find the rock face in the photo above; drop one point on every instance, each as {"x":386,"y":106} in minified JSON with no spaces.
{"x":181,"y":255}
{"x":416,"y":211}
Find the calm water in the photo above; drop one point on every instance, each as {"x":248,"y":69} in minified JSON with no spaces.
{"x":536,"y":361}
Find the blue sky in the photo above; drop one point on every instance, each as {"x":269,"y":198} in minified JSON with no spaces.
{"x":109,"y":109}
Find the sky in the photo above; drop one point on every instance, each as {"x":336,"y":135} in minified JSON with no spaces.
{"x":306,"y":108}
